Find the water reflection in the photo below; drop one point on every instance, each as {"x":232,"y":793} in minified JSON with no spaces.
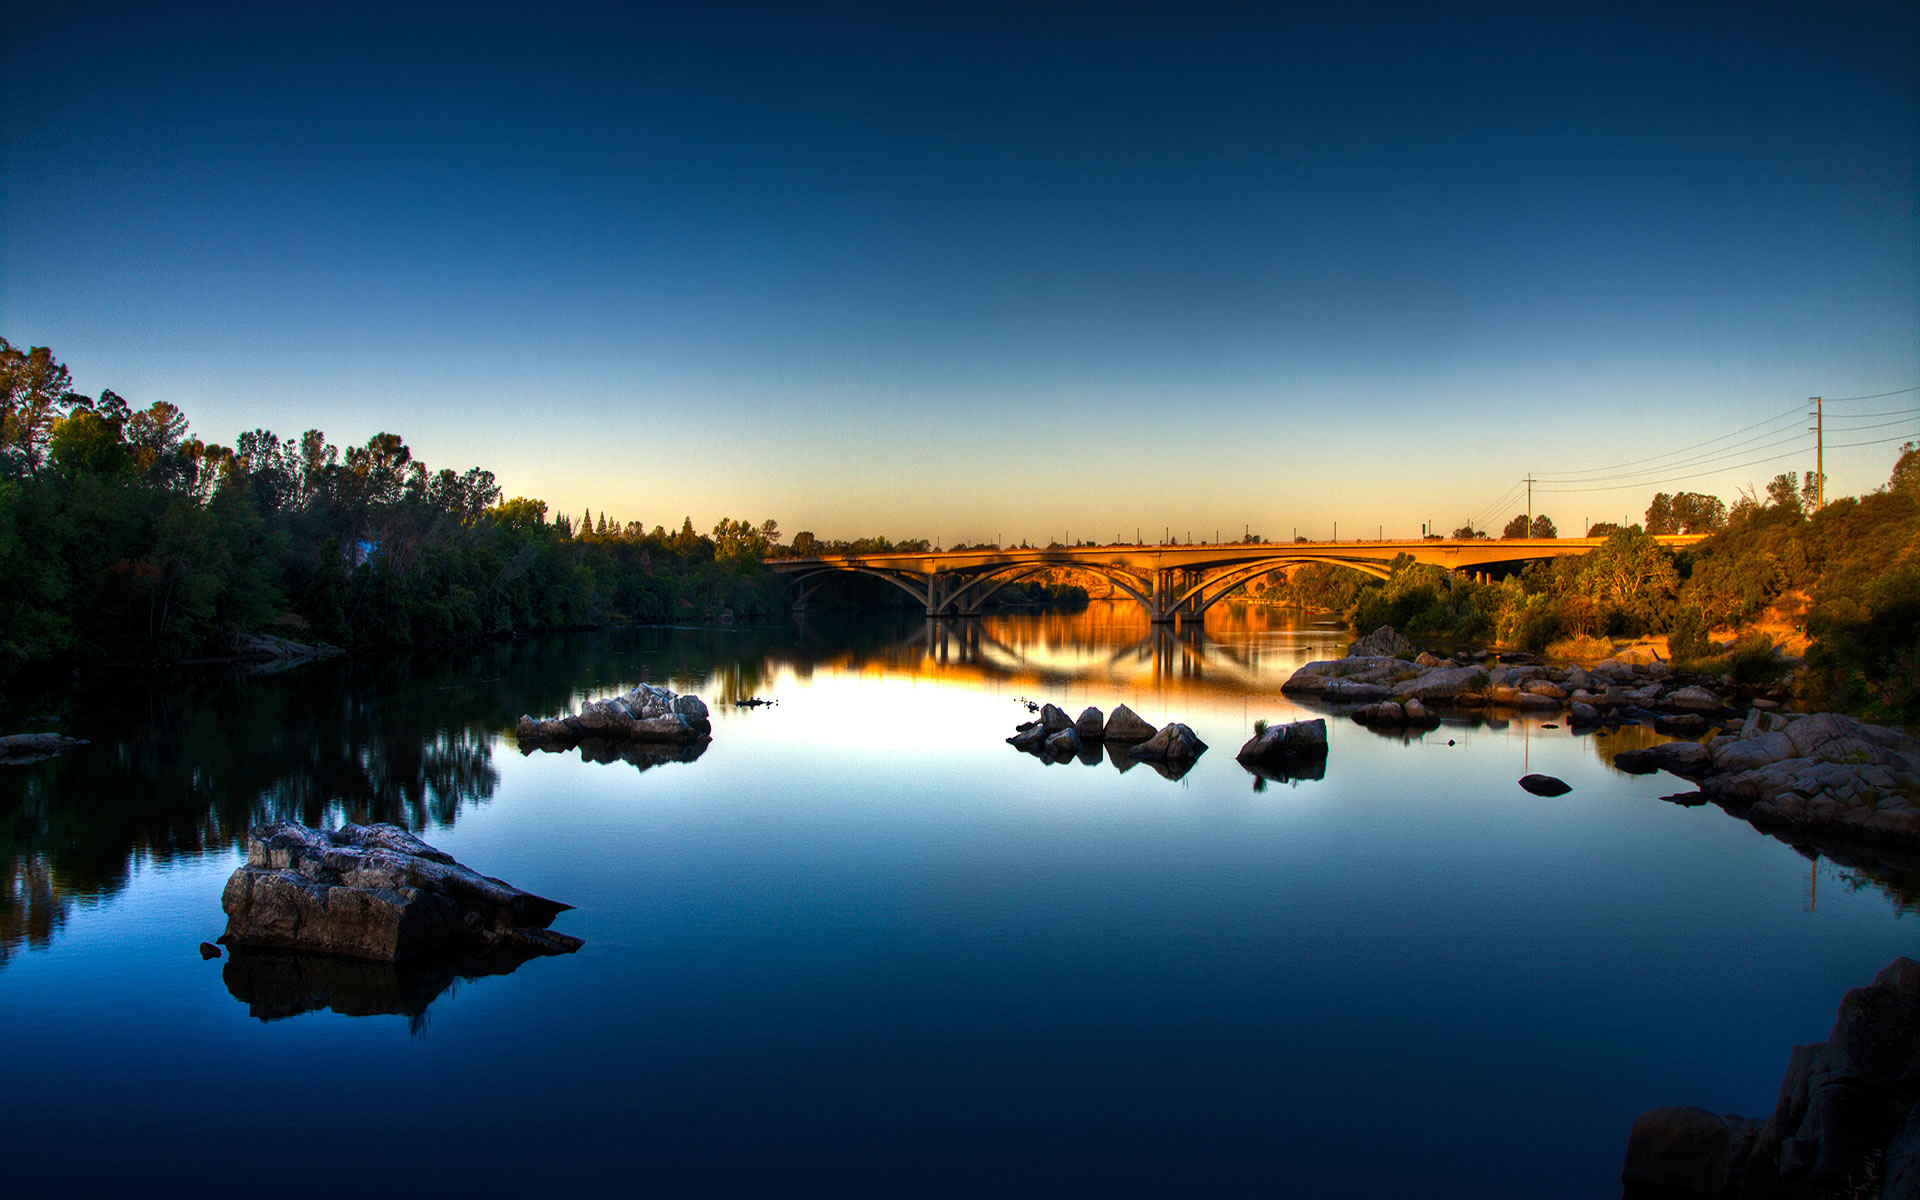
{"x":181,"y":764}
{"x":275,"y":986}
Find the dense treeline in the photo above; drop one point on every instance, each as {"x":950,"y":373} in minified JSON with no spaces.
{"x":125,"y":538}
{"x":1848,"y":575}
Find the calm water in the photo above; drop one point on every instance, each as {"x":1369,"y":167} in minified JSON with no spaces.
{"x":863,"y":946}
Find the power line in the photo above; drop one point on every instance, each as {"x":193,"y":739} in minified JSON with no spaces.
{"x":1877,"y":395}
{"x":1900,"y":437}
{"x":1791,"y":413}
{"x":1891,"y":412}
{"x":1772,"y":458}
{"x":1879,"y":425}
{"x":1696,"y":464}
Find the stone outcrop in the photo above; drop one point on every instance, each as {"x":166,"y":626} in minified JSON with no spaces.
{"x":1820,"y":774}
{"x":377,"y":892}
{"x":1848,"y":1112}
{"x":645,"y":714}
{"x":1124,"y":725}
{"x":1174,"y":743}
{"x":32,"y":747}
{"x":1286,"y":745}
{"x":1397,"y":714}
{"x":1091,"y":725}
{"x":267,"y":653}
{"x":1384,"y":641}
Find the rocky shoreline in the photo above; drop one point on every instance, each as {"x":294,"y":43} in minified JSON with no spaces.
{"x":1819,"y":775}
{"x":1847,"y":1121}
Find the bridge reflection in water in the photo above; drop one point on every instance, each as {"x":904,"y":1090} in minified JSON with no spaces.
{"x":1251,"y":649}
{"x":1173,"y":583}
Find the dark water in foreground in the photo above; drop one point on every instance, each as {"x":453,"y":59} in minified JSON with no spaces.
{"x":862,"y":946}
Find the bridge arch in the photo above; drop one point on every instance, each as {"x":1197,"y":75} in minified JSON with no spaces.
{"x":1219,"y":585}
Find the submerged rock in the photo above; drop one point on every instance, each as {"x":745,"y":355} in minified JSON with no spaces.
{"x":1544,"y":785}
{"x":377,"y":892}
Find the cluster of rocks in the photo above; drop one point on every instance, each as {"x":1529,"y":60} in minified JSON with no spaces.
{"x":1407,"y":689}
{"x":265,"y":652}
{"x":1847,"y":1122}
{"x":1818,"y":773}
{"x":377,"y":892}
{"x":645,"y":714}
{"x":1055,"y":735}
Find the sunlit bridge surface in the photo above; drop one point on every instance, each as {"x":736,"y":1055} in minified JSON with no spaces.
{"x":862,"y":944}
{"x":1171,"y":583}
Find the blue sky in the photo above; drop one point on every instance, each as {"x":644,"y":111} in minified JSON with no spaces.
{"x":989,"y":272}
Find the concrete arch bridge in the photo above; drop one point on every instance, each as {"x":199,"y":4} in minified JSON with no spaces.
{"x":1171,"y":582}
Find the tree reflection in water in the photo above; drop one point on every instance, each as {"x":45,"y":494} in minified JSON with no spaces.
{"x":182,"y":763}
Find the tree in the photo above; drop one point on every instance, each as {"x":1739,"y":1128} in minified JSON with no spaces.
{"x":1783,"y":491}
{"x":1905,"y":479}
{"x":1466,"y":533}
{"x":1687,"y":512}
{"x":519,"y":513}
{"x":1543,"y":527}
{"x":1600,"y":529}
{"x":1516,"y":528}
{"x":35,"y":392}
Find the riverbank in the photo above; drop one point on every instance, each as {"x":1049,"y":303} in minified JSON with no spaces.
{"x":1797,"y":775}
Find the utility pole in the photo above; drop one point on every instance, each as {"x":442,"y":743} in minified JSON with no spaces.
{"x":1819,"y":453}
{"x":1529,"y":504}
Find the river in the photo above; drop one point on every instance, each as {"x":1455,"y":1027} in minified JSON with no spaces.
{"x":861,"y":945}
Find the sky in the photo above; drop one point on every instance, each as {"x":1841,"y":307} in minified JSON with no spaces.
{"x":970,"y":272}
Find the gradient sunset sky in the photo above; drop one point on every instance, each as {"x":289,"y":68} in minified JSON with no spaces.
{"x":976,"y":270}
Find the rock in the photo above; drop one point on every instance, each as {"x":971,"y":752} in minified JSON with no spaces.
{"x":1382,"y":641}
{"x":1694,"y":699}
{"x":1280,"y":745}
{"x":1063,"y":743}
{"x":1030,"y":739}
{"x":1417,"y":714}
{"x":31,"y":747}
{"x":690,"y":706}
{"x":1440,"y":685}
{"x":1683,"y":1152}
{"x":1583,"y":714}
{"x":1843,"y":1105}
{"x":1544,"y":785}
{"x":1547,"y":688}
{"x":1174,"y":743}
{"x":1425,"y":659}
{"x":1090,"y":725}
{"x":377,"y":892}
{"x":1126,"y":726}
{"x":645,"y":714}
{"x":1354,"y":689}
{"x":1053,"y":718}
{"x":209,"y":950}
{"x":1681,"y":758}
